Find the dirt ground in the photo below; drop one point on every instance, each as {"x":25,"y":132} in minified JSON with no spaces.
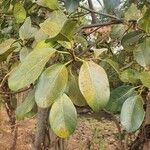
{"x":90,"y":134}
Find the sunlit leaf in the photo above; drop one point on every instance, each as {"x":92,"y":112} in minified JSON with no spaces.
{"x":19,"y":13}
{"x":25,"y":107}
{"x":63,"y":117}
{"x":118,"y":96}
{"x":51,"y":85}
{"x":132,"y":113}
{"x":54,"y":24}
{"x":30,"y":69}
{"x":23,"y":53}
{"x":145,"y":78}
{"x":94,"y":85}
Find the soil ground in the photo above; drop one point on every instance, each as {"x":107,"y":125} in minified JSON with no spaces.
{"x":90,"y":134}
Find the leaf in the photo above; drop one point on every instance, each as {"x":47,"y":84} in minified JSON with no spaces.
{"x":25,"y":107}
{"x":63,"y":117}
{"x":51,"y":85}
{"x":26,"y":31}
{"x":118,"y":96}
{"x":131,"y":39}
{"x":71,"y":5}
{"x":74,"y":91}
{"x":6,"y":45}
{"x":19,"y":13}
{"x":94,"y":85}
{"x":30,"y":69}
{"x":53,"y":25}
{"x":113,"y":64}
{"x":52,"y":4}
{"x":132,"y":113}
{"x":142,"y":53}
{"x":144,"y":22}
{"x":98,"y":52}
{"x":129,"y":75}
{"x":145,"y":78}
{"x":23,"y":53}
{"x":132,"y":13}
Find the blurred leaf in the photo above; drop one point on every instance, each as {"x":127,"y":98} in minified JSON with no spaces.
{"x":74,"y":91}
{"x":142,"y":53}
{"x":63,"y":117}
{"x":94,"y":85}
{"x":98,"y":52}
{"x":144,"y":22}
{"x":71,"y":5}
{"x":132,"y":113}
{"x":131,"y":39}
{"x":118,"y":96}
{"x":51,"y":85}
{"x":145,"y":78}
{"x":54,"y":24}
{"x":25,"y":107}
{"x":26,"y":31}
{"x":19,"y":13}
{"x":129,"y":75}
{"x":132,"y":13}
{"x":52,"y":4}
{"x":30,"y":69}
{"x":23,"y":53}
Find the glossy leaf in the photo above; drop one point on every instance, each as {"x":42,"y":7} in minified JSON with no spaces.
{"x":53,"y":25}
{"x":132,"y":113}
{"x":51,"y":85}
{"x":26,"y":31}
{"x":63,"y":117}
{"x":30,"y":69}
{"x":52,"y":4}
{"x":25,"y":107}
{"x":145,"y":78}
{"x":74,"y":91}
{"x":19,"y":13}
{"x":118,"y":96}
{"x":142,"y":53}
{"x":94,"y":85}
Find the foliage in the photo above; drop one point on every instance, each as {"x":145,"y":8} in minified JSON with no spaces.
{"x":48,"y":45}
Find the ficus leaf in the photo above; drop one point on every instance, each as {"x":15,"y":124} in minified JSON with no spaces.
{"x":30,"y":69}
{"x":94,"y":85}
{"x":53,"y":25}
{"x":63,"y":117}
{"x":19,"y":13}
{"x":25,"y":107}
{"x":145,"y":78}
{"x":132,"y":113}
{"x":51,"y":85}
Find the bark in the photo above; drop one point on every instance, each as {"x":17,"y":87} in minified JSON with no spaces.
{"x":92,"y":13}
{"x":42,"y":119}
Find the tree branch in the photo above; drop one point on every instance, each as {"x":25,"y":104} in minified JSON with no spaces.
{"x":92,"y":12}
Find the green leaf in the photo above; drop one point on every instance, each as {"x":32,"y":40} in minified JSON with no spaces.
{"x":132,"y":38}
{"x":142,"y":53}
{"x":113,"y":64}
{"x":26,"y":31}
{"x":132,"y":13}
{"x":144,"y":22}
{"x":51,"y":85}
{"x":63,"y":117}
{"x":52,"y":4}
{"x":71,"y":5}
{"x":145,"y":78}
{"x":118,"y":96}
{"x":53,"y":25}
{"x":30,"y":69}
{"x":132,"y":113}
{"x":74,"y":91}
{"x":19,"y":13}
{"x":25,"y":107}
{"x":23,"y":53}
{"x":129,"y":75}
{"x":94,"y":85}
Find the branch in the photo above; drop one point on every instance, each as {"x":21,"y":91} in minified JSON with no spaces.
{"x":92,"y":12}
